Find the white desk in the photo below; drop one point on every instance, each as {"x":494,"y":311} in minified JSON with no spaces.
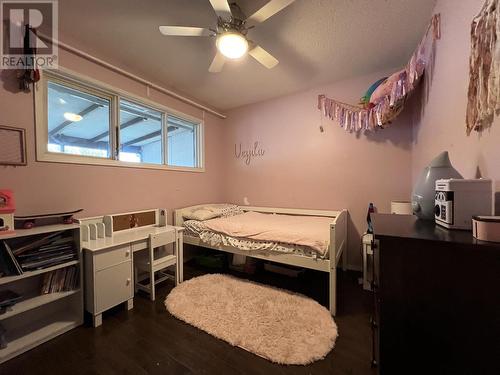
{"x":109,"y":267}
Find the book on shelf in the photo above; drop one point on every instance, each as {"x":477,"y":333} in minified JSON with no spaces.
{"x":61,"y":280}
{"x":53,"y":250}
{"x":8,"y":263}
{"x":13,"y":258}
{"x":18,"y":256}
{"x":34,"y":244}
{"x":36,"y":264}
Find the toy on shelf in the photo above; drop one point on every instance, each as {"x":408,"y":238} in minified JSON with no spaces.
{"x":28,"y":222}
{"x":7,"y":208}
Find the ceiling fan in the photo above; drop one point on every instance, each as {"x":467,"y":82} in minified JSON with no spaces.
{"x":231,"y":32}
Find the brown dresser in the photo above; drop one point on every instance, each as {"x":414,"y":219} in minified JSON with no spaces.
{"x":436,"y":299}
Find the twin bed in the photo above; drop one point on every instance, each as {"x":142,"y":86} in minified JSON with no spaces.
{"x":313,"y":239}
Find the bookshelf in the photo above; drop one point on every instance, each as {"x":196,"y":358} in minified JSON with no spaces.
{"x":9,"y":279}
{"x":35,"y":301}
{"x":37,"y":317}
{"x":36,"y":331}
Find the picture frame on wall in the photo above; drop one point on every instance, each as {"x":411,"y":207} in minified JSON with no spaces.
{"x":12,"y":146}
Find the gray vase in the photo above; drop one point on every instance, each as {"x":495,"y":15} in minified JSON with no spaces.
{"x":422,"y":197}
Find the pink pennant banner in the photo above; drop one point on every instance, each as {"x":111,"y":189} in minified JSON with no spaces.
{"x":384,"y":110}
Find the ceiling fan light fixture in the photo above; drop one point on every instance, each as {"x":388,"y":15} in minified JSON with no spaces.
{"x":232,"y":45}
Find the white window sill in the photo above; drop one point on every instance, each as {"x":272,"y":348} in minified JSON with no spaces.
{"x":53,"y":157}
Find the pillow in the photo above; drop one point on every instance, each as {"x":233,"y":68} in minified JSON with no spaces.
{"x":201,"y":214}
{"x":231,"y":210}
{"x":211,"y":211}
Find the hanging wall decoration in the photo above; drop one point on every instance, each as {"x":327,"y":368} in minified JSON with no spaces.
{"x":384,"y":100}
{"x":484,"y":68}
{"x":30,"y":74}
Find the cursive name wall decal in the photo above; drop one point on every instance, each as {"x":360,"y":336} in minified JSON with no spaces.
{"x":247,"y":154}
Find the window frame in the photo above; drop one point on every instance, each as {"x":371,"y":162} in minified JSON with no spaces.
{"x":198,"y":145}
{"x":164,"y":132}
{"x":93,"y":87}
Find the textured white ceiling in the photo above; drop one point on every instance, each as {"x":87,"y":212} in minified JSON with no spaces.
{"x":316,"y":42}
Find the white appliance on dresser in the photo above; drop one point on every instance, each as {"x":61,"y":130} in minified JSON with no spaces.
{"x":458,"y":200}
{"x":109,"y":243}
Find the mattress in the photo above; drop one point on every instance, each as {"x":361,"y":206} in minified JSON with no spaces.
{"x":196,"y":228}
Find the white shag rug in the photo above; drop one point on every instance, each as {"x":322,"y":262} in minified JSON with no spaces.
{"x":276,"y":324}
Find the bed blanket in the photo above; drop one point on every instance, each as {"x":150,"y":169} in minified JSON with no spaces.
{"x":311,"y":231}
{"x":197,"y":228}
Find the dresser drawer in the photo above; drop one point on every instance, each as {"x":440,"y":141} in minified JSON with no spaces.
{"x":113,"y":286}
{"x":111,"y":257}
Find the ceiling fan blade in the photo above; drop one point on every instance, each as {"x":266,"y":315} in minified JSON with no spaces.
{"x":222,"y":8}
{"x":264,"y":57}
{"x":217,"y":63}
{"x":184,"y":31}
{"x":268,"y":10}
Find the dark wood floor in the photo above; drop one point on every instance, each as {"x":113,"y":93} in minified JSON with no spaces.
{"x":148,"y":340}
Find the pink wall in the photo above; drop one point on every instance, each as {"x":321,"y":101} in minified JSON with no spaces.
{"x":442,"y":123}
{"x":304,"y":168}
{"x":42,"y":187}
{"x":301,"y":167}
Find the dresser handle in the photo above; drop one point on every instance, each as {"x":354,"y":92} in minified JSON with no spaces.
{"x":127,"y":253}
{"x":128,"y":281}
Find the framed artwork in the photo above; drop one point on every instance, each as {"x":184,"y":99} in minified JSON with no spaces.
{"x":12,"y":146}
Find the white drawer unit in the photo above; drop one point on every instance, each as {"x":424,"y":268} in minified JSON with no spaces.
{"x":109,"y":255}
{"x":108,"y":280}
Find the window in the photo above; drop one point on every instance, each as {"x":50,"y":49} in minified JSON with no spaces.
{"x":140,"y":133}
{"x":91,"y":124}
{"x":182,"y":142}
{"x":78,"y":122}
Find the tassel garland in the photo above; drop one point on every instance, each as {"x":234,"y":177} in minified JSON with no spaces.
{"x":377,"y":115}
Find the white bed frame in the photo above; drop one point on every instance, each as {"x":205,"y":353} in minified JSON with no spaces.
{"x":337,"y":247}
